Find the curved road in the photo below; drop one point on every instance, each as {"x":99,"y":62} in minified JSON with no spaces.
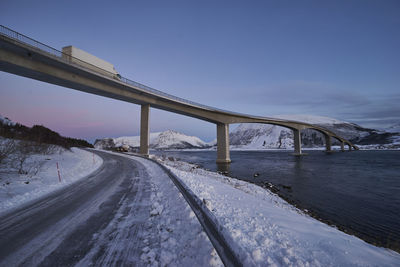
{"x":60,"y":228}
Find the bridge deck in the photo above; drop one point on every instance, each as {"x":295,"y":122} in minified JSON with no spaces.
{"x":24,"y":56}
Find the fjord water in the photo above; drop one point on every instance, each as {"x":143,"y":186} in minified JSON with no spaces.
{"x":357,"y":191}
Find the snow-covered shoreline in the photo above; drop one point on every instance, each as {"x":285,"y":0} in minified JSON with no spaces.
{"x":270,"y":230}
{"x":20,"y":189}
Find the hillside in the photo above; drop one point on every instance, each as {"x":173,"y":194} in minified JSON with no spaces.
{"x":395,"y":128}
{"x":37,"y":133}
{"x":265,"y":136}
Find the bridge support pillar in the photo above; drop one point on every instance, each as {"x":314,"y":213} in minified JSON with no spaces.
{"x":349,"y":147}
{"x":297,"y":142}
{"x":144,"y":130}
{"x":342,"y":146}
{"x":223,"y":143}
{"x":328,"y":143}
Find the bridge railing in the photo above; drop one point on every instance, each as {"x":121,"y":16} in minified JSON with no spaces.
{"x":67,"y":58}
{"x":29,"y":41}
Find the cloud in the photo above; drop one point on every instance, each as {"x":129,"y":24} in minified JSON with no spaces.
{"x":380,"y":107}
{"x":303,"y":93}
{"x":305,"y":97}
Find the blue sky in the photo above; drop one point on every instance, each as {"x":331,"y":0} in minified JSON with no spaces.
{"x":331,"y":58}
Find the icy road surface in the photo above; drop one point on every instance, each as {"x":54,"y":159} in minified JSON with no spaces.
{"x":128,"y":212}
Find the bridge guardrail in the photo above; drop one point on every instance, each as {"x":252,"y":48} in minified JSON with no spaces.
{"x":18,"y":37}
{"x":59,"y":54}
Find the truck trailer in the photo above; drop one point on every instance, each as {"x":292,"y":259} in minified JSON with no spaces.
{"x":84,"y":59}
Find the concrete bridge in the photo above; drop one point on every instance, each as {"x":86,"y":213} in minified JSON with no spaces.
{"x":26,"y":57}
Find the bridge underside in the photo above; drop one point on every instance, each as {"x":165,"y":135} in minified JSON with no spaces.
{"x":28,"y":61}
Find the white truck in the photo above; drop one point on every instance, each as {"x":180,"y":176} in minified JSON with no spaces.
{"x":84,"y":59}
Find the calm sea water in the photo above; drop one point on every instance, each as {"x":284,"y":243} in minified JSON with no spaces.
{"x":357,"y":191}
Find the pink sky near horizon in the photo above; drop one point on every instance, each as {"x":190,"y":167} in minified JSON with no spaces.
{"x":77,"y":114}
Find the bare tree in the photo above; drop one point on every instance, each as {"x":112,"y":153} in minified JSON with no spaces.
{"x":17,"y":152}
{"x":25,"y":149}
{"x":7,"y":147}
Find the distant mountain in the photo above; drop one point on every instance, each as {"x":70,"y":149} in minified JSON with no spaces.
{"x":395,"y":128}
{"x":259,"y":136}
{"x":161,"y":140}
{"x":265,"y":136}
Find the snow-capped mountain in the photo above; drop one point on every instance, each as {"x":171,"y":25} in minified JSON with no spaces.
{"x":6,"y":121}
{"x":347,"y":130}
{"x":256,"y":136}
{"x":161,"y":140}
{"x":263,"y":136}
{"x":395,"y":128}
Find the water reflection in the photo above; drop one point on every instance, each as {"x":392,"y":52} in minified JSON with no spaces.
{"x":298,"y":166}
{"x":224,"y":168}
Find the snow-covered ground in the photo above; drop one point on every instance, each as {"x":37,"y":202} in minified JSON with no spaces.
{"x":171,"y":237}
{"x":41,"y":175}
{"x":265,"y":229}
{"x":174,"y":232}
{"x":270,"y":231}
{"x":393,"y":146}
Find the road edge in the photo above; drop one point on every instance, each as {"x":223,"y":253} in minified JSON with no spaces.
{"x":207,"y":220}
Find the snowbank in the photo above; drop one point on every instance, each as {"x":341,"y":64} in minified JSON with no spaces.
{"x":17,"y":189}
{"x":172,"y":236}
{"x":272,"y":232}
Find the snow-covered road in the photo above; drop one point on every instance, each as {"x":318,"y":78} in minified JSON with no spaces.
{"x":128,"y":212}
